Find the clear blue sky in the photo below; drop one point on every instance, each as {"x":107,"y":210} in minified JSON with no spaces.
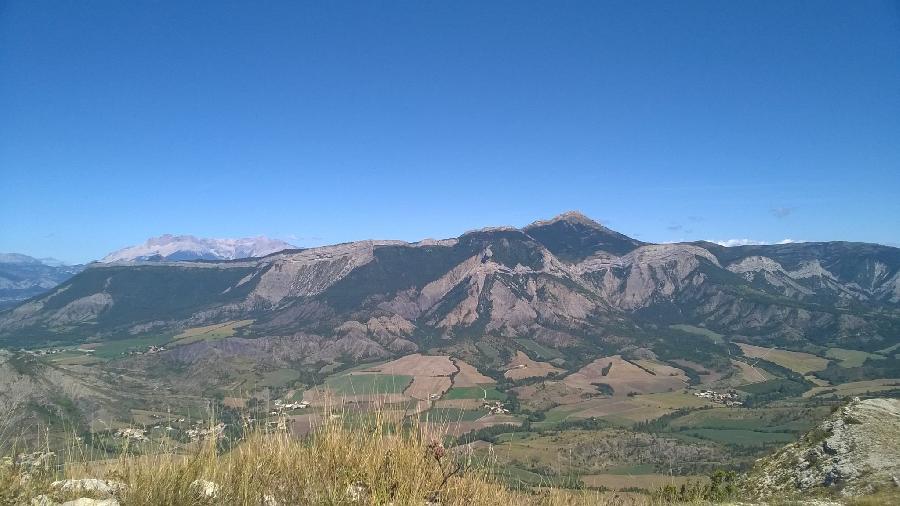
{"x":321,"y":122}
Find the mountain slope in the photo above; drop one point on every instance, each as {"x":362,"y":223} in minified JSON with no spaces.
{"x":567,"y":283}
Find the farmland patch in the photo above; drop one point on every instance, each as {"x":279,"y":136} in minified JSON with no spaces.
{"x":796,"y":361}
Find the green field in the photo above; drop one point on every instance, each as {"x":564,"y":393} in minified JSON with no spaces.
{"x":774,"y":385}
{"x":451,"y":415}
{"x":850,"y":358}
{"x":487,"y":350}
{"x":490,"y":393}
{"x":209,"y":332}
{"x":542,"y":352}
{"x":740,"y":437}
{"x":368,"y":384}
{"x":73,"y":357}
{"x":279,"y":377}
{"x":855,"y":388}
{"x":700,"y":331}
{"x":631,"y":469}
{"x":757,"y":419}
{"x":797,"y":361}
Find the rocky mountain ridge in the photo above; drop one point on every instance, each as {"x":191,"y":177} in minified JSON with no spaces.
{"x":564,"y":282}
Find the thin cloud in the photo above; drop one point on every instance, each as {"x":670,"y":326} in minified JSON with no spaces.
{"x":737,"y":242}
{"x":750,"y":242}
{"x":674,"y":228}
{"x":782,"y":212}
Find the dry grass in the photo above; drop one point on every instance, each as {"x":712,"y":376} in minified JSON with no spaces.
{"x":377,"y":461}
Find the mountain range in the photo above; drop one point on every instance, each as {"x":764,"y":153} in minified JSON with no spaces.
{"x":602,"y":353}
{"x":23,"y":277}
{"x":188,"y":247}
{"x":567,"y":283}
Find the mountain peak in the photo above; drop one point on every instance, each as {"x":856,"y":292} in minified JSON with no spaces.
{"x":568,"y":217}
{"x":572,"y":236}
{"x":189,"y":247}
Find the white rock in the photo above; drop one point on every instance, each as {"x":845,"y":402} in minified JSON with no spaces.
{"x":85,"y":501}
{"x":42,"y":500}
{"x":358,"y":491}
{"x":105,"y":487}
{"x":205,"y":488}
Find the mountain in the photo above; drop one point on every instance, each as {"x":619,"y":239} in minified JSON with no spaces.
{"x":23,"y":277}
{"x":188,"y":247}
{"x":568,"y":283}
{"x":600,"y":351}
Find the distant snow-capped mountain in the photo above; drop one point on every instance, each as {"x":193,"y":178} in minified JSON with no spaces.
{"x":188,"y":247}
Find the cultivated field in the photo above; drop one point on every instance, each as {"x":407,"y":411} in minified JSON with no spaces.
{"x":624,"y":410}
{"x":418,"y":365}
{"x":468,"y":376}
{"x":747,"y":374}
{"x":523,"y":367}
{"x":428,"y":387}
{"x":625,"y":377}
{"x":854,"y":388}
{"x":794,"y":360}
{"x":850,"y":358}
{"x":217,"y":331}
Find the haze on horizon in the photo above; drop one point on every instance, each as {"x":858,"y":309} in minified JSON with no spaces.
{"x":324,"y":123}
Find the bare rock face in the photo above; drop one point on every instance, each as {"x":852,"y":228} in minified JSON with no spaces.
{"x":308,"y":272}
{"x":853,"y":452}
{"x":647,"y":274}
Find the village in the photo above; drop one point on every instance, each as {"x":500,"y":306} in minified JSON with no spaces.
{"x":729,"y":398}
{"x":281,"y":406}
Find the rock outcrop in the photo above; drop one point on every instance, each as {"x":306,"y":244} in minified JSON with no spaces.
{"x":854,"y":452}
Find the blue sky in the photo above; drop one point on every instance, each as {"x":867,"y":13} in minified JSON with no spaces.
{"x":322,"y":122}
